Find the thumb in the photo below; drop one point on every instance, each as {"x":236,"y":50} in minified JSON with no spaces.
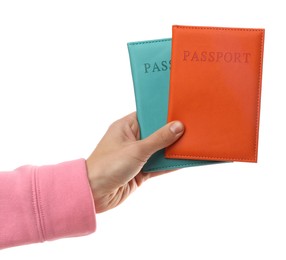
{"x":163,"y":137}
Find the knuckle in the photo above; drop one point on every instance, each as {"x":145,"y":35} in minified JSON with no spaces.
{"x":163,"y":137}
{"x":139,"y":152}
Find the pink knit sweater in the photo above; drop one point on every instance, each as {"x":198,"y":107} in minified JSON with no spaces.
{"x":45,"y":203}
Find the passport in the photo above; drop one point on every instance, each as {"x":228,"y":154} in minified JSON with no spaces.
{"x":215,"y":90}
{"x":150,"y":67}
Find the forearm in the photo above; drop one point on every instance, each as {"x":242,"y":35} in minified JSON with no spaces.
{"x":45,"y":203}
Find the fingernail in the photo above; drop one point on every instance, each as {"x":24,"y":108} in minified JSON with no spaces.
{"x":177,"y":127}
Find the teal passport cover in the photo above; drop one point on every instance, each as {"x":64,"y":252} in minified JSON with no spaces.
{"x":150,"y":67}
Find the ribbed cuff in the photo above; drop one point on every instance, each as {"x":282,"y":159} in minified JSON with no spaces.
{"x":63,"y":201}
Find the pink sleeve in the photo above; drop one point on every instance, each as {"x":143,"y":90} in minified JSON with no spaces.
{"x":45,"y":203}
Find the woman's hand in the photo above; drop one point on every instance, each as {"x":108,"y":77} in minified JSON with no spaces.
{"x":114,"y":167}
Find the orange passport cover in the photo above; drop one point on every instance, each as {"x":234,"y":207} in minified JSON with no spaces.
{"x":215,"y":90}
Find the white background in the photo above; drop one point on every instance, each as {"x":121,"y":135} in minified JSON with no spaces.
{"x":65,"y":76}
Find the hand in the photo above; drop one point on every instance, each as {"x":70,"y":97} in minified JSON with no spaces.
{"x":114,"y":167}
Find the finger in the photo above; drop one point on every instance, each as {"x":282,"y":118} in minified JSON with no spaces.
{"x":127,"y":124}
{"x":130,"y":118}
{"x":163,"y":137}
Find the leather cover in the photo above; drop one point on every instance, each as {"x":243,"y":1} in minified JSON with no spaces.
{"x":150,"y":67}
{"x":215,"y":91}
